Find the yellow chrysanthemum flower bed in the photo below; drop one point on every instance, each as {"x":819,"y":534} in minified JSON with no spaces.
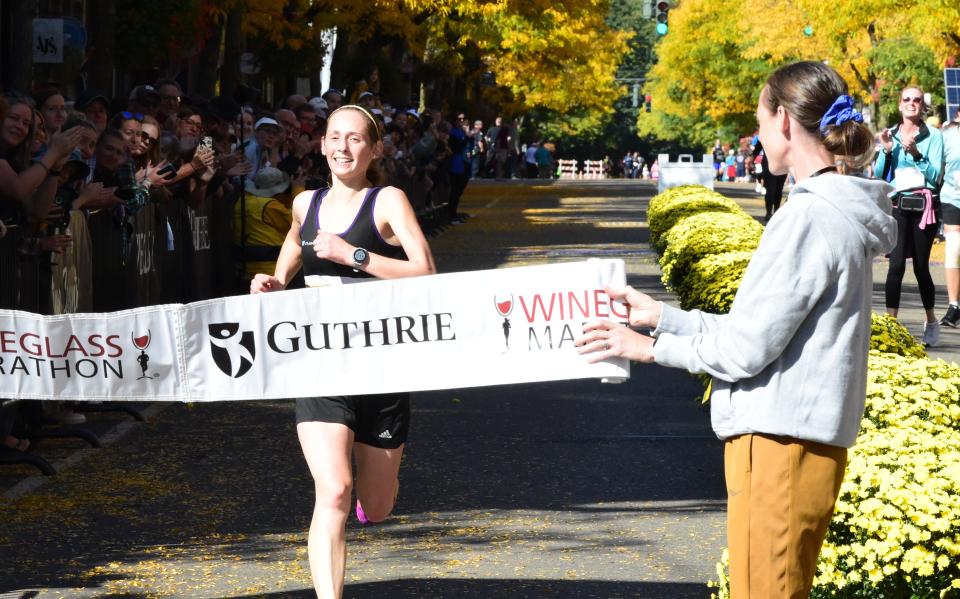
{"x":677,"y":203}
{"x":699,"y":235}
{"x":889,"y":336}
{"x":712,"y":281}
{"x":896,"y":530}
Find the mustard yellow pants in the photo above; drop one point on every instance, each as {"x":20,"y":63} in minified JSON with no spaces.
{"x":780,"y":497}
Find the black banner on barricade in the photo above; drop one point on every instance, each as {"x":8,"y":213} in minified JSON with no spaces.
{"x":30,"y":279}
{"x":221,"y":244}
{"x":9,"y":269}
{"x":176,"y":261}
{"x":203,"y":286}
{"x":148,"y":241}
{"x":106,"y":241}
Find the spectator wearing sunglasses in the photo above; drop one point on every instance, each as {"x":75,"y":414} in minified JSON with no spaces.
{"x":912,"y":150}
{"x":189,"y":124}
{"x":147,"y":158}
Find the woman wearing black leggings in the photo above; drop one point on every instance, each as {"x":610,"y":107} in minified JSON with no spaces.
{"x":912,"y":242}
{"x":911,"y":149}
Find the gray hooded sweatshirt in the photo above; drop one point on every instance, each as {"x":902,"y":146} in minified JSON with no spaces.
{"x":790,"y":358}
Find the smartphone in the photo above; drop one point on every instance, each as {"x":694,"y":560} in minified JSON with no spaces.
{"x":206,"y":143}
{"x":169,"y":171}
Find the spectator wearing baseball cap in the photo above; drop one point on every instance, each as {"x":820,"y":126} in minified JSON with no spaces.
{"x":264,"y":149}
{"x":94,"y":105}
{"x":144,"y":99}
{"x":319,"y":104}
{"x":268,"y":217}
{"x":368,"y":100}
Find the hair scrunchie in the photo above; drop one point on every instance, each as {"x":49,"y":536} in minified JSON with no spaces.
{"x":840,"y":112}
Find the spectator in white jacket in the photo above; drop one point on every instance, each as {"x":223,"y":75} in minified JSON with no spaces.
{"x":789,"y":362}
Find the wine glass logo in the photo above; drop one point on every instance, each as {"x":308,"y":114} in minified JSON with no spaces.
{"x":504,"y":305}
{"x":142,"y":343}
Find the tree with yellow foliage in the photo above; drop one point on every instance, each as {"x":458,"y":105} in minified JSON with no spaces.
{"x":717,"y":55}
{"x":557,"y":55}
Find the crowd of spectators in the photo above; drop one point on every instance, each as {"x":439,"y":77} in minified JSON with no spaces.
{"x":108,"y":203}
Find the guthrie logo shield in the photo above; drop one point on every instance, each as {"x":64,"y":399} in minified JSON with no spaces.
{"x":232,"y":356}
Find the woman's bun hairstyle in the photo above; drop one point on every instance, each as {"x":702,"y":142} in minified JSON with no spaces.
{"x":807,"y":91}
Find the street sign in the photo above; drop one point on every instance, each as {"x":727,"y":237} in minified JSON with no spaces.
{"x":48,"y":40}
{"x":951,"y":80}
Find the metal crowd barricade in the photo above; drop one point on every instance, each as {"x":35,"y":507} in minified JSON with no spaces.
{"x":593,"y":169}
{"x":567,"y":168}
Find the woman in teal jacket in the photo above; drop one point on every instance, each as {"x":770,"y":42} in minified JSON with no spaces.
{"x":912,"y":148}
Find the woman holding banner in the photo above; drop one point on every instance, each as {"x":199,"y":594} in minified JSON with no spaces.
{"x":350,"y":231}
{"x":789,"y":362}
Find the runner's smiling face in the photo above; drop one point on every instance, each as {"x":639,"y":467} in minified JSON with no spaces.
{"x":348,"y":144}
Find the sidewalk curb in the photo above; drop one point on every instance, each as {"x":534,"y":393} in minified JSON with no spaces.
{"x":32,"y":483}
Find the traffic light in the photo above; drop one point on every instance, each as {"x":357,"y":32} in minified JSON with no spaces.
{"x":646,"y":102}
{"x":662,"y":8}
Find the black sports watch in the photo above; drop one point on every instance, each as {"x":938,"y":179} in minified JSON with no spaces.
{"x":360,"y":257}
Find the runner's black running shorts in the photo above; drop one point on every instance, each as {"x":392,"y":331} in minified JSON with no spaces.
{"x":381,"y":420}
{"x":951,"y":214}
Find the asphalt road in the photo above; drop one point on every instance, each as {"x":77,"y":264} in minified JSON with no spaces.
{"x":573,"y":489}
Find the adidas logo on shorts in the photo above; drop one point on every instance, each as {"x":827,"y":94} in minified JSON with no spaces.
{"x":386,"y":435}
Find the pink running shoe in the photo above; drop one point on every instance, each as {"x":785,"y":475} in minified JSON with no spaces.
{"x":361,"y":516}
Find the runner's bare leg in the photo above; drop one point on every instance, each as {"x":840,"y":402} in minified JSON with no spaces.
{"x":377,"y":480}
{"x":326,"y":447}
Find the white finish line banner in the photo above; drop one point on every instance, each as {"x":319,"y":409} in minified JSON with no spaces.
{"x":467,"y":329}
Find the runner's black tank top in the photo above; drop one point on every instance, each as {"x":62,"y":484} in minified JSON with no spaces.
{"x":362,"y":232}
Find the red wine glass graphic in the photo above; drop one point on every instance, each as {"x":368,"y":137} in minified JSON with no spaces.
{"x":504,"y":304}
{"x":142,"y":343}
